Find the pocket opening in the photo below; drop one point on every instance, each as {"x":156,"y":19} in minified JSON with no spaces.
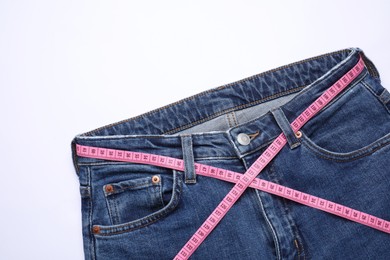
{"x":346,"y":156}
{"x":119,"y":226}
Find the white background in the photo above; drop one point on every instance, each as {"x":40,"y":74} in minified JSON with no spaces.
{"x":67,"y":67}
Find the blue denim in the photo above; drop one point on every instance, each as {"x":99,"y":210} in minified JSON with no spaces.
{"x":147,"y":212}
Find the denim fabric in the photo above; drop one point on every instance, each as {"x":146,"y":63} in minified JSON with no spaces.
{"x":343,"y":156}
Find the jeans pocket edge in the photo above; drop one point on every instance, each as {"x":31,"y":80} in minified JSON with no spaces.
{"x":108,"y":230}
{"x":347,"y":156}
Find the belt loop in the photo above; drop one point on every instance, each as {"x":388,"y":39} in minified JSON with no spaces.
{"x":188,"y":158}
{"x":284,"y":124}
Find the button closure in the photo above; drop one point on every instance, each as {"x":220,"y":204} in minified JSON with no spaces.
{"x":243,"y":139}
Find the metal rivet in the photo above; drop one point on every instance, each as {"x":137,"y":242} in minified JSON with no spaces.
{"x":155,"y":179}
{"x":96,"y":229}
{"x":298,"y":134}
{"x":243,"y":139}
{"x":109,"y":188}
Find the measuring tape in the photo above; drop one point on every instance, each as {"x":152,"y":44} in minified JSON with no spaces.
{"x":234,"y":177}
{"x":242,"y":181}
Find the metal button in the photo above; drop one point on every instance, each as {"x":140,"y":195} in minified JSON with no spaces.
{"x":298,"y":134}
{"x":155,"y":179}
{"x":109,"y":188}
{"x":96,"y":229}
{"x":243,"y":139}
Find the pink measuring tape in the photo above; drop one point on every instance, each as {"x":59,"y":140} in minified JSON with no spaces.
{"x":242,"y":181}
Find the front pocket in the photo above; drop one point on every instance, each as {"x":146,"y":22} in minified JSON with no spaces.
{"x":133,"y":199}
{"x":139,"y":202}
{"x":353,"y":123}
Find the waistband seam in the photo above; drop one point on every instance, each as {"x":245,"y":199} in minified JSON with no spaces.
{"x":329,"y":73}
{"x":301,"y":89}
{"x":307,"y":88}
{"x":349,"y":50}
{"x":220,"y":113}
{"x":119,"y":137}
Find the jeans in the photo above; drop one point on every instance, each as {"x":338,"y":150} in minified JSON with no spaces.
{"x":150,"y":212}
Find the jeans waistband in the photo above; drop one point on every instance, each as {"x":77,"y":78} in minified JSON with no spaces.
{"x":160,"y":131}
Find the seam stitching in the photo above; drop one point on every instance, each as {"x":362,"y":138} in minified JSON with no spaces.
{"x":370,"y":149}
{"x":92,"y":239}
{"x":150,"y":219}
{"x":349,"y":51}
{"x":242,"y":106}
